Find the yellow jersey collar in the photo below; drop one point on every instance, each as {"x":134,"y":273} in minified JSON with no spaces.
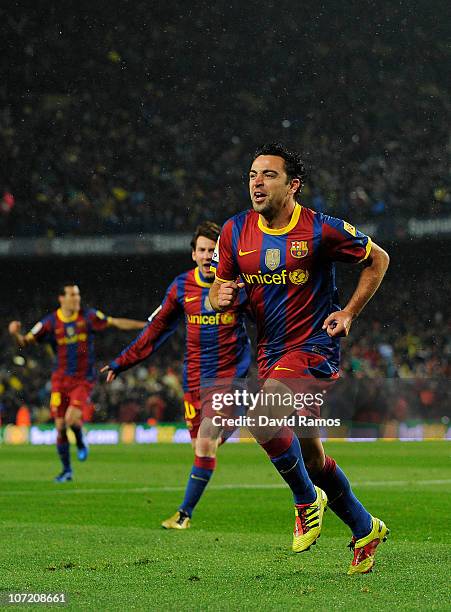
{"x":61,"y":317}
{"x":200,"y":279}
{"x":282,"y":230}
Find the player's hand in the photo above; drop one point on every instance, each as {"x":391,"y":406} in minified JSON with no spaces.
{"x":111,"y":373}
{"x":227,"y":293}
{"x":338,"y":323}
{"x":14,"y":328}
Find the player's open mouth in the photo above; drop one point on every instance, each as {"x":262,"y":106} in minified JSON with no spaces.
{"x":259,"y":196}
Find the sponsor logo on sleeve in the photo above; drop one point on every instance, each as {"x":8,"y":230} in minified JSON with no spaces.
{"x":349,"y":228}
{"x":215,"y":257}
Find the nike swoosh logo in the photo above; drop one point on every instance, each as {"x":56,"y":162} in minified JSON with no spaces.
{"x":190,"y":299}
{"x":241,"y":253}
{"x":278,"y":368}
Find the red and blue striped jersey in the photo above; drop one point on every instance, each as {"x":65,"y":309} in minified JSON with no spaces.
{"x":72,"y":341}
{"x":289,"y":276}
{"x":217,"y":345}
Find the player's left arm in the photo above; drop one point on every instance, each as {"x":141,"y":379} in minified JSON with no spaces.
{"x":374,"y":267}
{"x":101,"y":321}
{"x":341,"y":241}
{"x":125,"y":324}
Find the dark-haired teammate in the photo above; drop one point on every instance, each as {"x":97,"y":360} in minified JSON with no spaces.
{"x":217,"y":346}
{"x":70,"y":331}
{"x":285,"y":253}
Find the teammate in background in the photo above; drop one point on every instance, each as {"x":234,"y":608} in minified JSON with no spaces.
{"x":217,"y":346}
{"x":284,"y":254}
{"x":70,"y":331}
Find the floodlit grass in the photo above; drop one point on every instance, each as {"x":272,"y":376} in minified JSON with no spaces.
{"x":99,"y":539}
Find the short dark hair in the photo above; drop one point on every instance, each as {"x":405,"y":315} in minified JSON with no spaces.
{"x":62,"y":287}
{"x":294,"y":165}
{"x":208,"y":229}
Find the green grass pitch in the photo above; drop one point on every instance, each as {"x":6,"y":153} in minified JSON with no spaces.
{"x":99,"y":538}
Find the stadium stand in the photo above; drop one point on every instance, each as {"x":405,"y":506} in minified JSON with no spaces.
{"x":104,"y":133}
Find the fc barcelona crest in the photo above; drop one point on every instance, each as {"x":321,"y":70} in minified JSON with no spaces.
{"x":299,"y":248}
{"x":272,"y":258}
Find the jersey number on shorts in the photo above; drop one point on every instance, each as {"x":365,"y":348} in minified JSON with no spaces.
{"x":190,"y":411}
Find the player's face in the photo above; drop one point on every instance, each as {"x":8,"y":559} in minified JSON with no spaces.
{"x":202,"y":255}
{"x":71,"y":298}
{"x":269,"y":186}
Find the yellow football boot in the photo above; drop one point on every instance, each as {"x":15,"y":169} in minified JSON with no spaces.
{"x":180,"y":520}
{"x":365,"y":548}
{"x":308,"y":522}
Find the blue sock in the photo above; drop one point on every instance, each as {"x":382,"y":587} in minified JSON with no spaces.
{"x":199,"y":477}
{"x":290,"y":466}
{"x":342,"y":500}
{"x":78,"y":435}
{"x":63,"y":452}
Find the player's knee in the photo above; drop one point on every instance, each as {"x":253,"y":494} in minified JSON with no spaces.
{"x":206,"y":447}
{"x":69,"y":420}
{"x":72,"y":417}
{"x":61,"y":434}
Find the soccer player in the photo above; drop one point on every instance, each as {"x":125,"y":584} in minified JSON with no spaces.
{"x":70,"y":331}
{"x":284,"y":254}
{"x":217,"y":346}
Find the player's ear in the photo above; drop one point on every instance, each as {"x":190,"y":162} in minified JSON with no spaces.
{"x":295,"y":185}
{"x":193,"y":255}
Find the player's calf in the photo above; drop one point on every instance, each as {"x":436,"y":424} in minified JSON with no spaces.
{"x":199,"y":478}
{"x":62,"y":447}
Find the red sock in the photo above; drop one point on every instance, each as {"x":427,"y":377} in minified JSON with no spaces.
{"x":61,"y":437}
{"x":207,"y":463}
{"x":329,"y":466}
{"x":279,"y":444}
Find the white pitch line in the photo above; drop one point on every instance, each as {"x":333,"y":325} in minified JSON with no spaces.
{"x":224,"y":487}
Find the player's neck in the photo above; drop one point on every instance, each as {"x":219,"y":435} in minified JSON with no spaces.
{"x":67,"y":312}
{"x":280,"y":218}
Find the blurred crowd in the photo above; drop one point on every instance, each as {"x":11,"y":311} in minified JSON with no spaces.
{"x":398,"y":353}
{"x":143,"y":120}
{"x":139,"y":120}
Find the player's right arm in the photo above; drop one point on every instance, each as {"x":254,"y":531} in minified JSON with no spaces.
{"x":14,"y":328}
{"x":162,"y":324}
{"x":37,"y":333}
{"x":223,"y":294}
{"x":225,"y":287}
